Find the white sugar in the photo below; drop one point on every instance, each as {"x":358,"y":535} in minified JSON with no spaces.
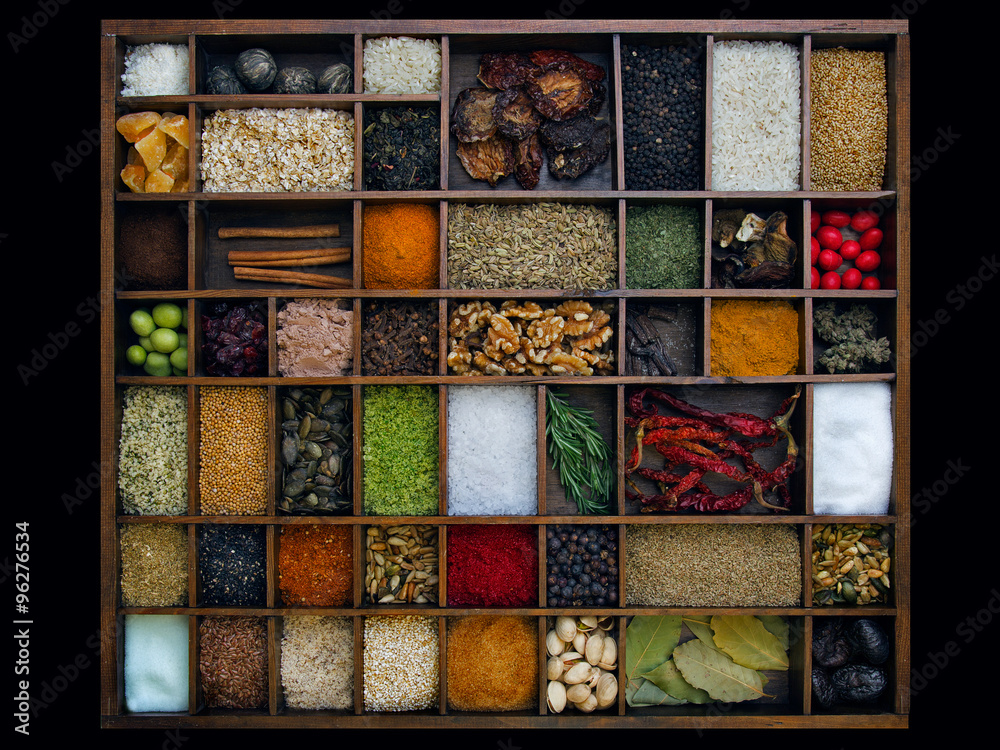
{"x":156,"y":70}
{"x":156,"y":662}
{"x":492,"y":437}
{"x":852,"y":448}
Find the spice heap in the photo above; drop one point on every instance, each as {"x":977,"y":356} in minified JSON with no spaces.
{"x":848,"y":658}
{"x":547,"y":100}
{"x":852,"y":448}
{"x":849,"y":121}
{"x":846,"y":249}
{"x":727,"y":660}
{"x":235,"y":339}
{"x":663,"y":104}
{"x":752,"y":565}
{"x":754,"y":337}
{"x":532,"y":246}
{"x":583,"y":658}
{"x":315,"y":565}
{"x":155,"y":70}
{"x":400,"y":246}
{"x":399,"y":338}
{"x":154,"y":565}
{"x":708,"y":443}
{"x":400,"y":450}
{"x":851,"y":563}
{"x":152,"y":451}
{"x":663,"y":247}
{"x":851,"y":335}
{"x":317,"y":450}
{"x":492,"y":566}
{"x":277,"y":150}
{"x":751,"y":251}
{"x":492,"y":663}
{"x":315,"y":338}
{"x":581,"y":565}
{"x":233,"y":451}
{"x":401,"y":655}
{"x":317,"y":662}
{"x":232,"y":562}
{"x":402,"y":148}
{"x":155,"y":668}
{"x":401,"y":564}
{"x":645,"y":352}
{"x":402,"y":65}
{"x":157,"y":159}
{"x":152,"y":248}
{"x":522,"y":338}
{"x":756,"y":111}
{"x":233,"y":661}
{"x":498,"y":474}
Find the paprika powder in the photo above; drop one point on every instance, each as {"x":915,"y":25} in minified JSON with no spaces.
{"x":401,"y":246}
{"x":754,"y":337}
{"x":315,"y":565}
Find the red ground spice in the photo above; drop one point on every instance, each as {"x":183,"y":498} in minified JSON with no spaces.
{"x":492,"y":566}
{"x":315,"y":565}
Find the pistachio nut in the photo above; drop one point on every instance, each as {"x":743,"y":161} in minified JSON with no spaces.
{"x":587,"y":705}
{"x":554,"y":644}
{"x":578,"y":693}
{"x":566,"y":628}
{"x":556,"y":696}
{"x":595,"y":647}
{"x":580,"y":642}
{"x":554,"y":668}
{"x":579,"y":672}
{"x":606,"y":691}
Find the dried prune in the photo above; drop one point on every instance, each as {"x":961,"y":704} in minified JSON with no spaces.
{"x":822,"y":688}
{"x":869,"y":640}
{"x":488,"y":160}
{"x":503,"y":70}
{"x":472,"y":115}
{"x":572,"y":164}
{"x":860,"y":683}
{"x":528,"y":166}
{"x":515,"y":115}
{"x":830,"y":648}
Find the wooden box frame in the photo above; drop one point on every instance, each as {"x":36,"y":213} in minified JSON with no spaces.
{"x":462,"y":38}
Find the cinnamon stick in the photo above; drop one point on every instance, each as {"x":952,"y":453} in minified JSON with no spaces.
{"x":280,"y":276}
{"x":300,"y":257}
{"x":309,"y":230}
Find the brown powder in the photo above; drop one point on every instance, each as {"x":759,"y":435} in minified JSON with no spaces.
{"x":492,"y":663}
{"x":152,"y":248}
{"x":315,"y":338}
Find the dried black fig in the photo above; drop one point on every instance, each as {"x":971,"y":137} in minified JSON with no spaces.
{"x":869,"y":640}
{"x":860,"y":683}
{"x":830,"y":647}
{"x":822,"y":688}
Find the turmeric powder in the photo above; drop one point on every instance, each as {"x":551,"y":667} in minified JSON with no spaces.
{"x":400,"y":246}
{"x":754,"y":337}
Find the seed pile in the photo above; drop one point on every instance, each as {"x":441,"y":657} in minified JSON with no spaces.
{"x":232,"y":563}
{"x":234,"y":434}
{"x":492,"y":566}
{"x":851,"y":564}
{"x":401,"y":663}
{"x":849,"y":119}
{"x":399,"y":338}
{"x":315,"y":565}
{"x":712,"y":565}
{"x":492,"y":473}
{"x":152,"y":451}
{"x":532,"y":246}
{"x":233,"y":661}
{"x":154,"y":565}
{"x":663,"y":105}
{"x":663,"y":247}
{"x":317,"y":662}
{"x":401,"y":564}
{"x":492,"y":663}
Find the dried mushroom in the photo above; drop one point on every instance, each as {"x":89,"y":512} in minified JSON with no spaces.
{"x":472,"y":115}
{"x":549,"y":59}
{"x":488,"y":160}
{"x":504,"y":70}
{"x":749,"y":251}
{"x":528,"y":160}
{"x":572,"y":164}
{"x":515,"y":114}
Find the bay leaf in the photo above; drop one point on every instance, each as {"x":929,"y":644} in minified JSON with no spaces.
{"x":649,"y":641}
{"x":669,"y":679}
{"x":777,"y":626}
{"x":748,"y":643}
{"x":701,"y":626}
{"x":714,"y":672}
{"x":645,"y":693}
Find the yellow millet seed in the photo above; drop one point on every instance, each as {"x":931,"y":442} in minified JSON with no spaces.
{"x":234,"y":437}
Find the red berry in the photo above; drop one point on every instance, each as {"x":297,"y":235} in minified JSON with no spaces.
{"x":814,"y":221}
{"x":839,"y":219}
{"x":863,"y":220}
{"x":851,"y":278}
{"x":870,"y":283}
{"x":868,"y":261}
{"x":850,"y":250}
{"x":829,"y":237}
{"x":829,"y":260}
{"x":870,"y":239}
{"x":814,"y":245}
{"x":815,"y":278}
{"x":830,"y":280}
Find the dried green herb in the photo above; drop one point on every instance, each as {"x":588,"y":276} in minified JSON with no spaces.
{"x":580,"y":454}
{"x":402,"y":147}
{"x":663,"y":247}
{"x":852,"y":336}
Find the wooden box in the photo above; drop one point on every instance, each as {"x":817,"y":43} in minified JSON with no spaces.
{"x":207,"y":279}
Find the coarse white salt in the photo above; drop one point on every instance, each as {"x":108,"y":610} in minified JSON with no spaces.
{"x":492,"y":437}
{"x":155,"y":70}
{"x":852,"y":448}
{"x":156,"y":662}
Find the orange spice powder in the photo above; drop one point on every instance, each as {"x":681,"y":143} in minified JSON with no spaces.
{"x":400,"y":246}
{"x":315,"y":564}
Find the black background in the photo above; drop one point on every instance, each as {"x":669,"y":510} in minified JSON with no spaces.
{"x":49,"y":246}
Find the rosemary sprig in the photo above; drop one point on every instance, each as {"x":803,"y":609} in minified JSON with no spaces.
{"x":580,"y":454}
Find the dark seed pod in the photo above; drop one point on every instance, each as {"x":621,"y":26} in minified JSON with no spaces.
{"x":860,"y":683}
{"x":822,"y":688}
{"x":869,"y":640}
{"x":222,"y":80}
{"x":294,"y":80}
{"x":336,"y":79}
{"x":256,"y":68}
{"x":830,"y":647}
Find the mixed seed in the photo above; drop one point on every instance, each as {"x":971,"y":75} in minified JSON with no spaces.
{"x":401,"y":564}
{"x":851,"y":564}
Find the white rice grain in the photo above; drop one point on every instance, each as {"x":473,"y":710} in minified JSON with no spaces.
{"x":402,"y":65}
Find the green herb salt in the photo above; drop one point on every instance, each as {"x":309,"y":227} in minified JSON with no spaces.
{"x":663,"y":247}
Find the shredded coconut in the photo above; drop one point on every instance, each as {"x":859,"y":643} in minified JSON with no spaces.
{"x":156,"y":70}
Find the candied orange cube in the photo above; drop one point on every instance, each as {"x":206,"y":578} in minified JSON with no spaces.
{"x":152,"y":148}
{"x":132,"y":157}
{"x":175,"y":163}
{"x":180,"y":186}
{"x":159,"y":182}
{"x":176,"y":126}
{"x":134,"y":125}
{"x":134,"y":176}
